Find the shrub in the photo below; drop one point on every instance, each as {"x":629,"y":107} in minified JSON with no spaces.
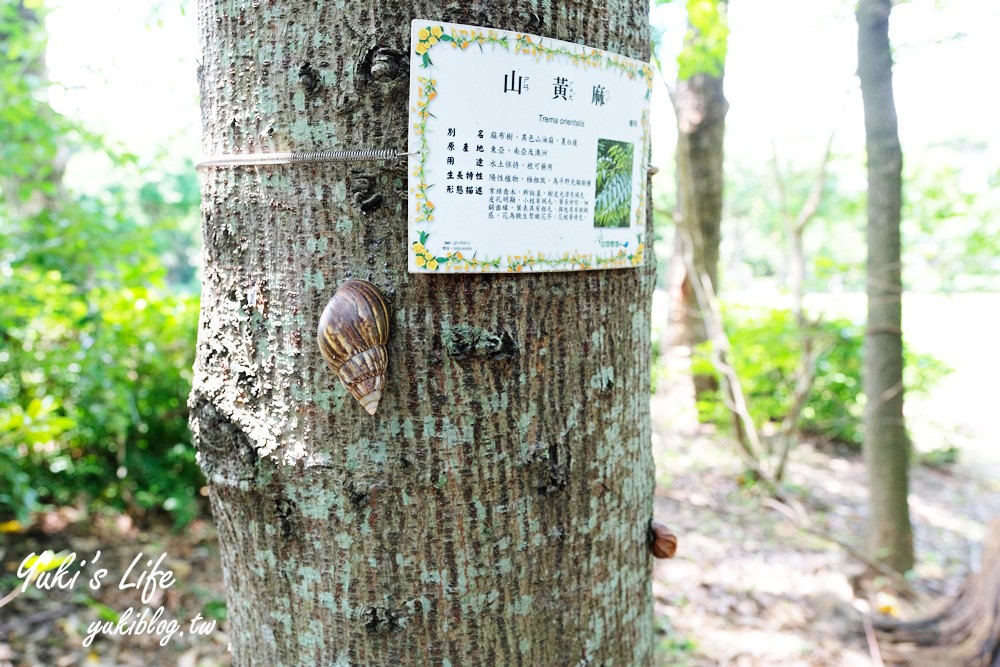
{"x":93,"y":397}
{"x":766,"y":351}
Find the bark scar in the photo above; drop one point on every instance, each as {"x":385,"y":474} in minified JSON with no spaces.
{"x":363,"y":192}
{"x":382,"y":620}
{"x":462,"y":341}
{"x":310,"y":79}
{"x":226,"y":453}
{"x":285,"y":510}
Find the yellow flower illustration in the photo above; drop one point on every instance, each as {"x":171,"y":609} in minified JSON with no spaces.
{"x":637,"y":257}
{"x":419,"y":248}
{"x":420,"y":260}
{"x":423,"y":34}
{"x":421,"y":48}
{"x":436,"y":31}
{"x":432,"y":264}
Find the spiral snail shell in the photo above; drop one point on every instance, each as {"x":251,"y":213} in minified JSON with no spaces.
{"x":353,"y":331}
{"x":662,"y":541}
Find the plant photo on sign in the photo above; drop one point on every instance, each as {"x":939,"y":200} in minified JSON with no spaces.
{"x":613,"y":193}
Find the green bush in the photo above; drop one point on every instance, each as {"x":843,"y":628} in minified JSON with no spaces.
{"x":96,"y":344}
{"x":766,"y":351}
{"x":92,"y":396}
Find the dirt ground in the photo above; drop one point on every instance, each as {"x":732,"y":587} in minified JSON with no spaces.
{"x":746,"y":588}
{"x":48,"y":628}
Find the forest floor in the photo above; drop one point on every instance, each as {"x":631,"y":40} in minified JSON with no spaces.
{"x":746,"y":588}
{"x":49,"y":628}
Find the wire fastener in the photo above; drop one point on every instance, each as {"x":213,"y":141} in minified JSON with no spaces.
{"x":299,"y":157}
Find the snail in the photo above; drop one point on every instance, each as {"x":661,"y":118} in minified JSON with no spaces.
{"x":353,"y":331}
{"x":662,"y":541}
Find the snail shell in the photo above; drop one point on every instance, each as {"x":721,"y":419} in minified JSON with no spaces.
{"x":662,"y":541}
{"x":353,"y":331}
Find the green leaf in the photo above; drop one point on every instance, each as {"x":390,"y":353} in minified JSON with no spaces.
{"x":215,"y":609}
{"x":104,"y":612}
{"x":47,"y":560}
{"x":34,"y":409}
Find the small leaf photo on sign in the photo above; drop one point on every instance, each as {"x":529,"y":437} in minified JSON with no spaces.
{"x":613,"y":193}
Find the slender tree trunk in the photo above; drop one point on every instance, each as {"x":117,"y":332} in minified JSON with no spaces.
{"x":795,"y":228}
{"x":886,"y":443}
{"x":30,"y":64}
{"x":494,"y":510}
{"x":701,"y":107}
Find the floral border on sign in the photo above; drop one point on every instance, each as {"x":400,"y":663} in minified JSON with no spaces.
{"x":427,"y":91}
{"x":461,"y":38}
{"x":456,"y":261}
{"x":567,"y":261}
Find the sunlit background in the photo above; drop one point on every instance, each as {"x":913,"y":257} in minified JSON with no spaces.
{"x":99,"y":287}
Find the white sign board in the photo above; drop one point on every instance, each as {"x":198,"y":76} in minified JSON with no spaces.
{"x":527,"y":153}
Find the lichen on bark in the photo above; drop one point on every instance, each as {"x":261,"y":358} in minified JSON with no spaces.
{"x":495,"y":508}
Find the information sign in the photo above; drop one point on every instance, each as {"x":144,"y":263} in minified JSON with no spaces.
{"x":527,"y":153}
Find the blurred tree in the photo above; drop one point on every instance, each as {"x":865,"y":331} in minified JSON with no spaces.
{"x":31,"y":167}
{"x":886,"y":444}
{"x":700,"y":108}
{"x":495,"y":509}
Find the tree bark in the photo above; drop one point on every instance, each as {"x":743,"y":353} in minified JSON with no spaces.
{"x":494,"y":510}
{"x":886,"y":444}
{"x":701,"y":107}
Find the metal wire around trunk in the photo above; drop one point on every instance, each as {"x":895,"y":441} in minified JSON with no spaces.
{"x":299,"y":157}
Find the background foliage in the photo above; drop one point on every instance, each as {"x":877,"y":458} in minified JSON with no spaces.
{"x":766,"y":353}
{"x":98,"y":287}
{"x":98,"y":321}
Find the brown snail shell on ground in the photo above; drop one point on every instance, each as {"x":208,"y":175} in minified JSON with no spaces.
{"x":353,"y":331}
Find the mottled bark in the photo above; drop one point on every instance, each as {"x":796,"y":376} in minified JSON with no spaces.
{"x":886,"y":444}
{"x":701,"y":107}
{"x":495,"y":509}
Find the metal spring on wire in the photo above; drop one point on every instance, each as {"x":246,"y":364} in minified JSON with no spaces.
{"x":299,"y":157}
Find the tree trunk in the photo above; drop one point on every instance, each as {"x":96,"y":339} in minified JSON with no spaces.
{"x":701,"y":109}
{"x":31,"y":100}
{"x":494,"y":510}
{"x":886,"y":443}
{"x":966,"y":632}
